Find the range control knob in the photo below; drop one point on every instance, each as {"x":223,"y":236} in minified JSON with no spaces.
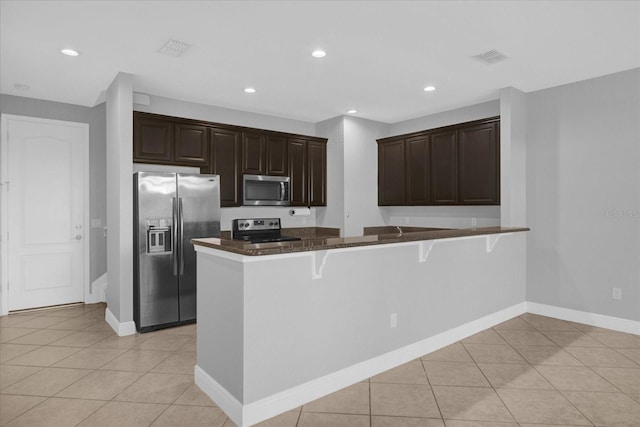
{"x":246,"y":224}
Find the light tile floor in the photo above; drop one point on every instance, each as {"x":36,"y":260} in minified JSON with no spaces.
{"x":65,"y":367}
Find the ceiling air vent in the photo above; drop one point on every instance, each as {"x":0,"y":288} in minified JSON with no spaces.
{"x":174,"y":48}
{"x":491,"y":56}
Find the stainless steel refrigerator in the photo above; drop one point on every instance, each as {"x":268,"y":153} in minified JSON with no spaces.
{"x":170,"y":209}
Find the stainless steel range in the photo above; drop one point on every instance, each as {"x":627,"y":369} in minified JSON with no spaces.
{"x":259,"y":230}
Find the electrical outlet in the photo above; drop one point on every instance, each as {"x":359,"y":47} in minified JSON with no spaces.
{"x":393,"y":320}
{"x":474,"y":221}
{"x":616,"y":293}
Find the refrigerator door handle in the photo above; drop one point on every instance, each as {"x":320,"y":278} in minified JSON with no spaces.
{"x":181,"y":236}
{"x":175,"y":237}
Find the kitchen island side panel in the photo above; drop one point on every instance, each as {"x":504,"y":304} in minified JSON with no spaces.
{"x":220,"y":350}
{"x":298,"y":329}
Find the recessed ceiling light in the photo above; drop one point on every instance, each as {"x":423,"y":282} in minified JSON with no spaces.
{"x":21,"y":86}
{"x":318,"y":53}
{"x":250,"y":90}
{"x":429,"y":88}
{"x":352,"y":111}
{"x":70,"y":52}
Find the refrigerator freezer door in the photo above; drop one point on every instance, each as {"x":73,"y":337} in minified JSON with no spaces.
{"x":155,"y":285}
{"x":199,"y":204}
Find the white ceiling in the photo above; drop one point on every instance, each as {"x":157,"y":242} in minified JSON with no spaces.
{"x":380,"y":54}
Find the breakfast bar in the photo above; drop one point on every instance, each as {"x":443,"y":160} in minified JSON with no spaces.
{"x":281,"y":324}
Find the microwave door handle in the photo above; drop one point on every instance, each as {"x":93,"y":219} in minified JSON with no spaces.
{"x":282,"y":191}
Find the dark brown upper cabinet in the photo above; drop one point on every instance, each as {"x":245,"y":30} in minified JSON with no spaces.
{"x":152,"y":140}
{"x":298,"y":192}
{"x":417,"y":170}
{"x":277,"y":155}
{"x":453,"y":165}
{"x":231,"y":151}
{"x":317,"y":164}
{"x":191,"y":144}
{"x":225,"y":161}
{"x":254,"y":159}
{"x":443,"y":168}
{"x":479,"y":178}
{"x":391,"y":173}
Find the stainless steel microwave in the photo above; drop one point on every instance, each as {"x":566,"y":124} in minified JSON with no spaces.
{"x":264,"y":190}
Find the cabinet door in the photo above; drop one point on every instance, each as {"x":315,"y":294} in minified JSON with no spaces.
{"x":317,"y":156}
{"x":391,"y":173}
{"x":253,"y":154}
{"x":152,"y":140}
{"x":417,"y":172}
{"x":298,"y":172}
{"x":225,"y":161}
{"x":191,"y":144}
{"x":479,"y":181}
{"x":277,"y":158}
{"x":443,"y":168}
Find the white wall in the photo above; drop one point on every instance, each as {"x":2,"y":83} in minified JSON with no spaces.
{"x":120,"y":196}
{"x":513,"y":158}
{"x":210,"y":113}
{"x":583,"y":195}
{"x":333,"y":214}
{"x":445,"y":118}
{"x":361,"y":174}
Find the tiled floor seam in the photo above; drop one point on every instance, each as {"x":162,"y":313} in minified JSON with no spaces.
{"x":492,"y":387}
{"x":627,"y":357}
{"x":554,"y":387}
{"x":435,"y":399}
{"x":561,"y":391}
{"x":370,"y":408}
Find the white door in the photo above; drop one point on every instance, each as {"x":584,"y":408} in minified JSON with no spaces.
{"x":44,"y":178}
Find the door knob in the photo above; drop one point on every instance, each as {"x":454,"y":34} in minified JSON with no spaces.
{"x":78,"y":237}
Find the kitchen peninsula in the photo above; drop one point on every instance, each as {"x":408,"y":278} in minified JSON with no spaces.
{"x":281,"y":324}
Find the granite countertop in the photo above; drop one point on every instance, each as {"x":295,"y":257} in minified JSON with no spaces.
{"x":318,"y":239}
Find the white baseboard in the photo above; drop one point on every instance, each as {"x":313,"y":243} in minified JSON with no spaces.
{"x":225,"y":401}
{"x":122,"y":329}
{"x":252,"y":413}
{"x":593,"y":319}
{"x":99,"y":294}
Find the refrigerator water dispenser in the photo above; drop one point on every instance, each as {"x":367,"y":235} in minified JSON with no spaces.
{"x":158,"y":237}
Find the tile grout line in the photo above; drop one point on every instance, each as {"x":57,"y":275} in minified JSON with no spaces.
{"x":489,"y":382}
{"x":590,"y":368}
{"x":433,"y":394}
{"x":552,"y":385}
